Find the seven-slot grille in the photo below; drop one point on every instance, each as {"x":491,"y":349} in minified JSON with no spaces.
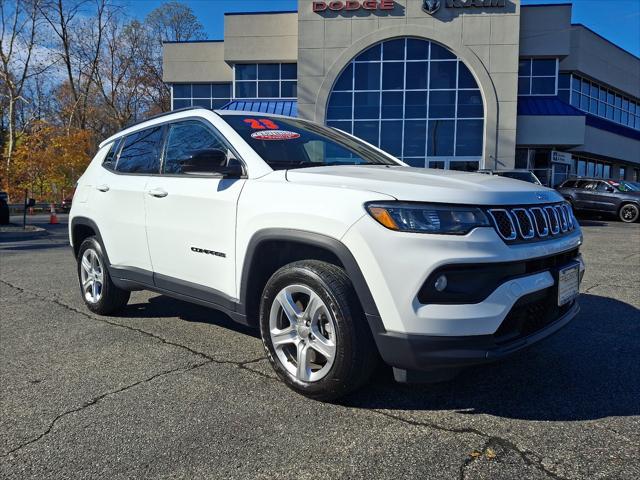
{"x":532,"y":223}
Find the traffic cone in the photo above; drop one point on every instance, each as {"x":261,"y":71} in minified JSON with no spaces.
{"x":53,"y":218}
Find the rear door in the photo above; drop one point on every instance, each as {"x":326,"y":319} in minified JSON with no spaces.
{"x":119,"y":199}
{"x":191,"y":218}
{"x":606,"y":197}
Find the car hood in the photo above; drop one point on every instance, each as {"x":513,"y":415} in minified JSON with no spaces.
{"x":427,"y":185}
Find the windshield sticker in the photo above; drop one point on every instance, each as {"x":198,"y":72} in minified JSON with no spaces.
{"x":275,"y":135}
{"x":261,"y":124}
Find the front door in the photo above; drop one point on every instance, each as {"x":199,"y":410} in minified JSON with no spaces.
{"x":191,"y":218}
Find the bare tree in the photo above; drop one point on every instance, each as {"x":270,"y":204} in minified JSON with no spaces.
{"x":19,"y":21}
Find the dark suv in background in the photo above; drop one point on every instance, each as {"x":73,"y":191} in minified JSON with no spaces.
{"x":606,"y":196}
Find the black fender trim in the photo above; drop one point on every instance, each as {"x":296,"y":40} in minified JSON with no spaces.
{"x":316,"y":240}
{"x":91,"y":224}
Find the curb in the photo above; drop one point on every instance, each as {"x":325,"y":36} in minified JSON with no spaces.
{"x":18,"y":236}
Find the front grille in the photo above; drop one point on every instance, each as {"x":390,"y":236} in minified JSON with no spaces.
{"x":521,"y":224}
{"x":531,"y":314}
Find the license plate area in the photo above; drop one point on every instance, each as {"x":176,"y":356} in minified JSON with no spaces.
{"x":568,"y":283}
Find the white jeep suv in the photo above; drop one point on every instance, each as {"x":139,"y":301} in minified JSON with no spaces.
{"x":338,"y":252}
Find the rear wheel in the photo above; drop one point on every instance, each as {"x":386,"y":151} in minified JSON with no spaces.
{"x":99,"y":292}
{"x":314,"y":331}
{"x":629,"y":213}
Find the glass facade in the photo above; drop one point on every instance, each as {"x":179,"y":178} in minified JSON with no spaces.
{"x":208,"y":95}
{"x":597,"y":99}
{"x":265,"y":80}
{"x":414,"y":99}
{"x":586,"y":167}
{"x":537,"y":76}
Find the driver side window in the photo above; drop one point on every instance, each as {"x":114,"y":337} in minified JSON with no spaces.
{"x":186,"y":138}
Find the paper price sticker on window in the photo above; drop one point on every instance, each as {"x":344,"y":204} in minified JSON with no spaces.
{"x":274,"y":135}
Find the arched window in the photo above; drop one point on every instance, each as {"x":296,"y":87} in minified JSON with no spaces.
{"x":414,"y":99}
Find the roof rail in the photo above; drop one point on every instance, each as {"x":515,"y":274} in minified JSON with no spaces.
{"x":164,"y":114}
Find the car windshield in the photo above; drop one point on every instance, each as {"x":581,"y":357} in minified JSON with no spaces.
{"x":286,"y":143}
{"x":625,"y":186}
{"x":524,"y":176}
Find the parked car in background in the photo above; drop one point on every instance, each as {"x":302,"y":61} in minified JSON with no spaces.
{"x":620,"y":198}
{"x":518,"y":174}
{"x":4,"y":196}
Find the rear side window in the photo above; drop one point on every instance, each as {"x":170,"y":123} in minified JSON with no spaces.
{"x":141,"y":152}
{"x":569,"y":184}
{"x":583,"y":184}
{"x":109,"y":161}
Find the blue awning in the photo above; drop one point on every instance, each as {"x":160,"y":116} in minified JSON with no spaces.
{"x":264,"y":105}
{"x":555,"y":106}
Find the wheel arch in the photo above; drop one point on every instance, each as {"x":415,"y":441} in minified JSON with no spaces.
{"x":81,"y":229}
{"x":290,"y":245}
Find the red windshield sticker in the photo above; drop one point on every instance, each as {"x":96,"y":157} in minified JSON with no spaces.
{"x":275,"y":135}
{"x":261,"y":124}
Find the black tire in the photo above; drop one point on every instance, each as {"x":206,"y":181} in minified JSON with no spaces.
{"x":356,"y":356}
{"x":112,"y":298}
{"x":629,"y":213}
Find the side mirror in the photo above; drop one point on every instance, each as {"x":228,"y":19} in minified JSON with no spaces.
{"x":209,"y":161}
{"x":610,"y":189}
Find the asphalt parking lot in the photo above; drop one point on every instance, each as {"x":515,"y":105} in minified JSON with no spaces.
{"x":171,"y":390}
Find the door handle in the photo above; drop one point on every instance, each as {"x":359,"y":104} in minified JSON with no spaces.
{"x":158,"y":192}
{"x":103,"y":188}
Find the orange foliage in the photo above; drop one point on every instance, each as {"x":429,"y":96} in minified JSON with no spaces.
{"x":48,"y":161}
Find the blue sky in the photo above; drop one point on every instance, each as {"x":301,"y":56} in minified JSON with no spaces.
{"x":616,"y":20}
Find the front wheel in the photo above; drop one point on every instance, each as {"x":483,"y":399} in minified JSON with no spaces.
{"x":99,"y":292}
{"x":629,"y":213}
{"x":314,"y":331}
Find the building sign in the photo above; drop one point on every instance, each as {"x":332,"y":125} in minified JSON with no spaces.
{"x":351,"y":5}
{"x":561,"y":157}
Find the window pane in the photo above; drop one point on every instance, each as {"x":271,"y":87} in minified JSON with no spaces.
{"x":603,"y":95}
{"x":607,"y":171}
{"x":625,"y":104}
{"x":610,"y":98}
{"x":465,"y":78}
{"x":417,"y":49}
{"x":415,"y":105}
{"x":584,"y":103}
{"x":393,"y":50}
{"x":593,"y":106}
{"x":470,"y":104}
{"x":415,"y":137}
{"x":417,"y":75}
{"x":586,"y":87}
{"x":575,"y":84}
{"x":618,"y":101}
{"x":246,"y":89}
{"x":268,"y":89}
{"x":582,"y":168}
{"x":219,"y":102}
{"x":469,"y":138}
{"x":575,"y":98}
{"x":440,"y":53}
{"x":616,"y":115}
{"x":345,"y":81}
{"x":464,"y":166}
{"x":221,"y":90}
{"x":185,"y":138}
{"x":201,"y":90}
{"x":440,"y":139}
{"x":392,"y":104}
{"x":564,"y":95}
{"x":545,"y":66}
{"x":443,"y":75}
{"x":181,"y":90}
{"x":202,"y":102}
{"x":141,"y":152}
{"x":289,"y":71}
{"x":595,"y":90}
{"x":415,"y":162}
{"x":442,"y":104}
{"x":372,"y":53}
{"x":181,"y":104}
{"x":367,"y":105}
{"x":602,"y":109}
{"x":564,"y":80}
{"x":367,"y":76}
{"x":524,"y":67}
{"x":609,"y":112}
{"x":391,"y":137}
{"x":367,"y":131}
{"x":591,"y":168}
{"x":524,"y":86}
{"x":340,"y":106}
{"x":393,"y":76}
{"x":289,"y":89}
{"x":543,"y":86}
{"x":268,"y":71}
{"x":625,"y":118}
{"x":246,"y":71}
{"x":599,"y":170}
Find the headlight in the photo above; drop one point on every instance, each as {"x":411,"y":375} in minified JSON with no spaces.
{"x":427,"y":218}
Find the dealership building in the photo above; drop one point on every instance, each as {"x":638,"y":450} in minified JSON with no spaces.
{"x":455,"y":84}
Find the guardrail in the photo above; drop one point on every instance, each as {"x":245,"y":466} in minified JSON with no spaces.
{"x":18,"y":208}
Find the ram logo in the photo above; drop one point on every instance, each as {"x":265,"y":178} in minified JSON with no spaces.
{"x":431,"y":6}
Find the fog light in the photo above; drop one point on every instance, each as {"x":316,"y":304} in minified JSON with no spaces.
{"x":441,"y":283}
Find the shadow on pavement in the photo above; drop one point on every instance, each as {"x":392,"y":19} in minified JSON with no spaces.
{"x":589,"y":370}
{"x":163,"y":306}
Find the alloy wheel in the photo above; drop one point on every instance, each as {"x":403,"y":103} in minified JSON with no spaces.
{"x":303,"y":333}
{"x":91,"y":276}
